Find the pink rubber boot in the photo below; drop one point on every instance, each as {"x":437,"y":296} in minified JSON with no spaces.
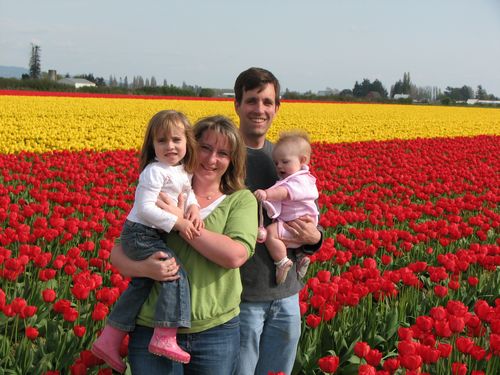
{"x":164,"y":343}
{"x":107,"y":347}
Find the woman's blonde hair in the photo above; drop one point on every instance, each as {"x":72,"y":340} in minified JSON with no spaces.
{"x":234,"y":178}
{"x":162,"y":123}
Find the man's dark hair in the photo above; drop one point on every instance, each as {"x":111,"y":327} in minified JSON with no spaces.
{"x":253,"y":78}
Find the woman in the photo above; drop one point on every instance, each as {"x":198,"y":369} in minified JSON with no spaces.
{"x":211,"y":260}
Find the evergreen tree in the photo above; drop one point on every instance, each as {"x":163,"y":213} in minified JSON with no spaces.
{"x":35,"y":66}
{"x":481,"y":93}
{"x":402,"y":86}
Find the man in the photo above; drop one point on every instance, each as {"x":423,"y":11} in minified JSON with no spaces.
{"x":270,"y":320}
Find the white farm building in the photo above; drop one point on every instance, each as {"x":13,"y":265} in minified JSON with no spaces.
{"x":76,"y":82}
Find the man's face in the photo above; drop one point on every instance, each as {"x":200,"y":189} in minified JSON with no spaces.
{"x":256,"y":111}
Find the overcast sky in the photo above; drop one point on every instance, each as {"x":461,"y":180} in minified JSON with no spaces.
{"x":308,"y":45}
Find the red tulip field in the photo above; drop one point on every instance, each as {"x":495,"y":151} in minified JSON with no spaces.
{"x":407,"y":280}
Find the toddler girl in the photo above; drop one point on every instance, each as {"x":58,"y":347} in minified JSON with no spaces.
{"x":167,"y":159}
{"x":293,"y":196}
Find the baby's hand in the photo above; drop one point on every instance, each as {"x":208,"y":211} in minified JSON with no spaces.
{"x":193,"y":215}
{"x":186,"y":228}
{"x":260,"y":194}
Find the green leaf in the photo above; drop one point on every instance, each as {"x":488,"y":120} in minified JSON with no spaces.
{"x":392,"y":324}
{"x":377,"y":340}
{"x":351,"y":369}
{"x":4,"y":347}
{"x":354,"y":359}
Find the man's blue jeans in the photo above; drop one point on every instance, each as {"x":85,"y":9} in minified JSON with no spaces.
{"x":213,"y":352}
{"x":270,"y":332}
{"x":173,"y":307}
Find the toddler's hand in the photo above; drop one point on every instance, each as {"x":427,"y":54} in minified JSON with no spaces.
{"x":198,"y":223}
{"x":193,"y":215}
{"x":186,"y":228}
{"x":260,"y":194}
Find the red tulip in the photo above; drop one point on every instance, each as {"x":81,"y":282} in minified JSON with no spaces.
{"x":458,"y":368}
{"x":49,"y":295}
{"x":440,"y":291}
{"x":391,"y":365}
{"x":78,"y":368}
{"x":328,"y":364}
{"x":495,"y":344}
{"x":406,"y":348}
{"x":477,"y":352}
{"x":80,"y":291}
{"x":79,"y":331}
{"x":2,"y":299}
{"x":313,"y":320}
{"x":464,"y":344}
{"x":28,"y":312}
{"x":445,"y":349}
{"x":457,"y":324}
{"x":411,"y":362}
{"x":373,"y":357}
{"x":31,"y":333}
{"x":323,"y":276}
{"x":361,"y":349}
{"x":18,"y":304}
{"x":405,"y":333}
{"x":70,"y":314}
{"x":100,"y":311}
{"x":61,"y":305}
{"x":473,"y":281}
{"x":424,"y":323}
{"x":438,"y":313}
{"x":366,"y":370}
{"x":442,"y":328}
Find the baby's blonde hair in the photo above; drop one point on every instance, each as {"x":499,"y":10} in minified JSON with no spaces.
{"x":299,"y":140}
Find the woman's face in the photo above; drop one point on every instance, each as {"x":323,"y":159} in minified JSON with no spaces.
{"x":214,"y":154}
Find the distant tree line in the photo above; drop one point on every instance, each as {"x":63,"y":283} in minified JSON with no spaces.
{"x":403,"y":91}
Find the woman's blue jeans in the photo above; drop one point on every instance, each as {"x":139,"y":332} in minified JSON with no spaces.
{"x":213,"y":352}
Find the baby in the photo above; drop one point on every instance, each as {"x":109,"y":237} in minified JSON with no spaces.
{"x":293,"y":196}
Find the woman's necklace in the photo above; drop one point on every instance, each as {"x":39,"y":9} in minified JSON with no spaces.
{"x":209,"y":196}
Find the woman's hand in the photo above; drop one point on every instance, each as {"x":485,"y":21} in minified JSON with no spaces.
{"x":161,"y":268}
{"x":305,"y":230}
{"x":157,"y":267}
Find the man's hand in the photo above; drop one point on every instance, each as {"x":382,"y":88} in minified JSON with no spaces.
{"x":305,"y":230}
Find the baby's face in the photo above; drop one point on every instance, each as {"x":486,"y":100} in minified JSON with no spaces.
{"x":287,"y":161}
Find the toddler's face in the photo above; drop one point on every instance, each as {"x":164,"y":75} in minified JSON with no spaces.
{"x":170,"y":148}
{"x":287,"y":161}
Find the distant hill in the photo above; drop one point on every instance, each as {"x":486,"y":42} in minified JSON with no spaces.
{"x":12,"y":71}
